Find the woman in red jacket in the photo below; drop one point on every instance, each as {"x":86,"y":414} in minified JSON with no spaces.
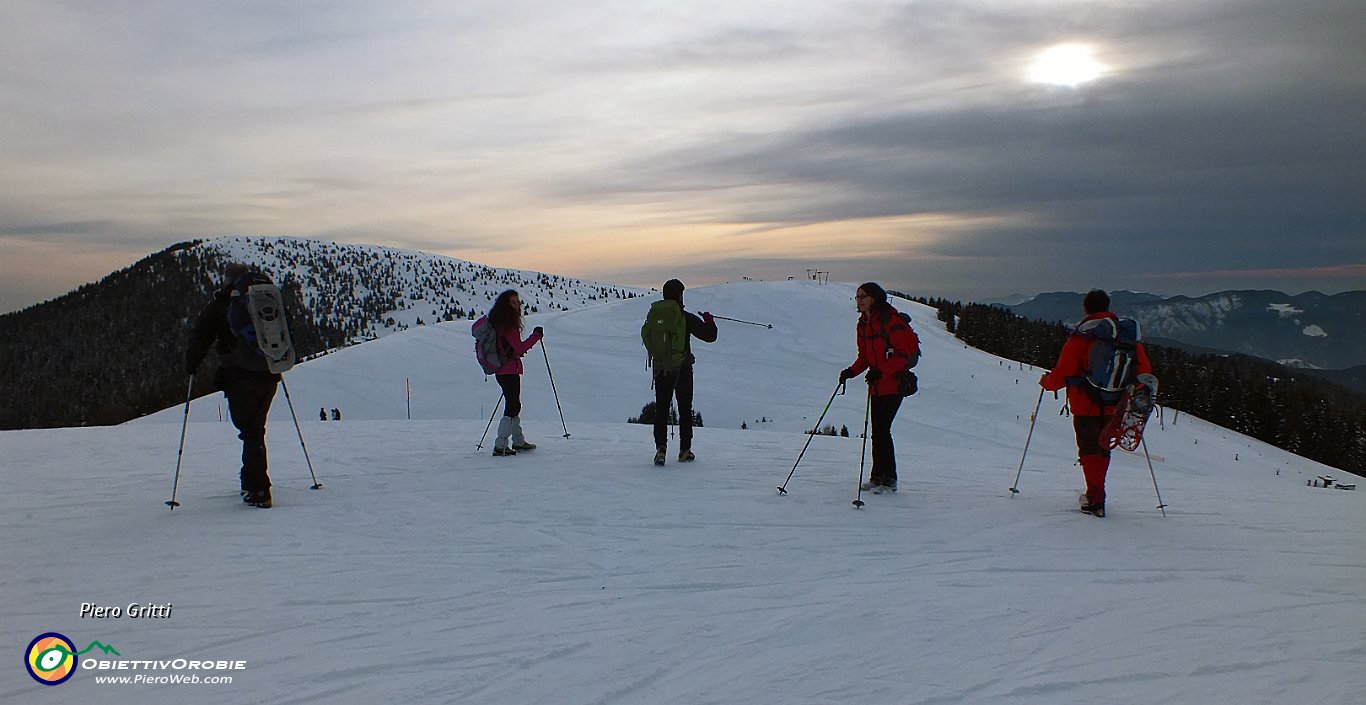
{"x":1089,"y":413}
{"x":506,"y":318}
{"x":886,"y":346}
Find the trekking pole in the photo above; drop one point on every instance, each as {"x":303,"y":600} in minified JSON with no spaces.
{"x":1160,"y":504}
{"x":486,"y":428}
{"x":181,"y":453}
{"x":316,"y":485}
{"x":1014,"y":488}
{"x":552,"y":387}
{"x":782,"y":489}
{"x":867,"y":409}
{"x":752,"y":323}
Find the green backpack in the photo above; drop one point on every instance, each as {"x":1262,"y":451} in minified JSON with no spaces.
{"x":665,"y":334}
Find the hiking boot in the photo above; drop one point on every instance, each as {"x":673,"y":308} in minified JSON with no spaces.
{"x":686,"y":456}
{"x":890,"y":485}
{"x":659,"y":456}
{"x":524,"y":445}
{"x":260,"y":498}
{"x":866,"y":486}
{"x":1096,"y":510}
{"x":503,"y":451}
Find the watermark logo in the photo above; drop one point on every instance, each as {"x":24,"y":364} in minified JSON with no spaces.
{"x":51,"y":658}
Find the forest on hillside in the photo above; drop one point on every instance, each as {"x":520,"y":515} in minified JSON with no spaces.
{"x":1285,"y":407}
{"x":114,"y":350}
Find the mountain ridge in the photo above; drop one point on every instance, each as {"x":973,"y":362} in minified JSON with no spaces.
{"x":1311,"y":330}
{"x":72,"y":361}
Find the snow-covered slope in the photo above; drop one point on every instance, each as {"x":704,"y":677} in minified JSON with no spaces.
{"x":428,"y":571}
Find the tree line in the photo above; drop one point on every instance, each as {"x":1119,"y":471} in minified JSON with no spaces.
{"x":1284,"y":407}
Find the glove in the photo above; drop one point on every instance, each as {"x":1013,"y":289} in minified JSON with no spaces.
{"x":707,"y":318}
{"x":538,"y":331}
{"x":845,"y":374}
{"x":873,"y":375}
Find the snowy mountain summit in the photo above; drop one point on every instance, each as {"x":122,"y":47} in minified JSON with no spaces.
{"x":372,"y":290}
{"x":428,"y":571}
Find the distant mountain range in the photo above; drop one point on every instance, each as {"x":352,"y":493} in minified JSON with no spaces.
{"x":114,"y":350}
{"x":1311,"y":330}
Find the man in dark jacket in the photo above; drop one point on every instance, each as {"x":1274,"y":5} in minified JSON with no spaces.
{"x":1089,"y":411}
{"x":245,"y":379}
{"x":679,"y":382}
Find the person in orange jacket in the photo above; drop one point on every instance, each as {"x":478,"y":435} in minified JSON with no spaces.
{"x":886,"y":346}
{"x":1089,"y":412}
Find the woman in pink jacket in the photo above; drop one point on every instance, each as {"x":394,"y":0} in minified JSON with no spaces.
{"x":506,"y":319}
{"x":886,"y":346}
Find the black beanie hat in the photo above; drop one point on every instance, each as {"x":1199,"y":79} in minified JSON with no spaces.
{"x":1096,"y":301}
{"x":673,"y":290}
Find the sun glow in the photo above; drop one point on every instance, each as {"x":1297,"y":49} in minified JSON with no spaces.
{"x":1066,"y":65}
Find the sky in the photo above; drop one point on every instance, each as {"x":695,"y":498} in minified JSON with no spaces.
{"x":1179,"y":148}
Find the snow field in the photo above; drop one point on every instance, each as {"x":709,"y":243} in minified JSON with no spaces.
{"x":427,"y":571}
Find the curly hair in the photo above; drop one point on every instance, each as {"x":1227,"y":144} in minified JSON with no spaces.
{"x":504,"y":315}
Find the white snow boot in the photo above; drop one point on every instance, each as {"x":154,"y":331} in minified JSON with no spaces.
{"x":500,"y":444}
{"x":519,"y":441}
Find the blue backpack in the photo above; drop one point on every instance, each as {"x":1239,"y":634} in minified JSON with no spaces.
{"x":1111,"y":362}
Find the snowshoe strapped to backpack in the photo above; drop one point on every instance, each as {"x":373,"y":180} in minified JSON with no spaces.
{"x":1112,"y":361}
{"x":665,"y":335}
{"x":1125,"y":426}
{"x":256,"y":316}
{"x":488,"y":346}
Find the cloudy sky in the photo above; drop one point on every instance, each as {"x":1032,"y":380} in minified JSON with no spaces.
{"x":937,"y":146}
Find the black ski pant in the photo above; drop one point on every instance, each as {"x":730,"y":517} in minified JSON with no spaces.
{"x":884,"y":451}
{"x":249,"y":395}
{"x":667,"y":386}
{"x":1088,"y":430}
{"x":512,"y":394}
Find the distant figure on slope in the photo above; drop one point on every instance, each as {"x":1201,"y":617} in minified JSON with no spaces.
{"x":887,"y":349}
{"x":1089,"y":410}
{"x":243,"y":375}
{"x":667,"y":334}
{"x":322,"y":414}
{"x":506,"y":319}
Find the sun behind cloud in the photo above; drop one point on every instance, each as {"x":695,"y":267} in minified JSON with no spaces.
{"x":1069,"y":64}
